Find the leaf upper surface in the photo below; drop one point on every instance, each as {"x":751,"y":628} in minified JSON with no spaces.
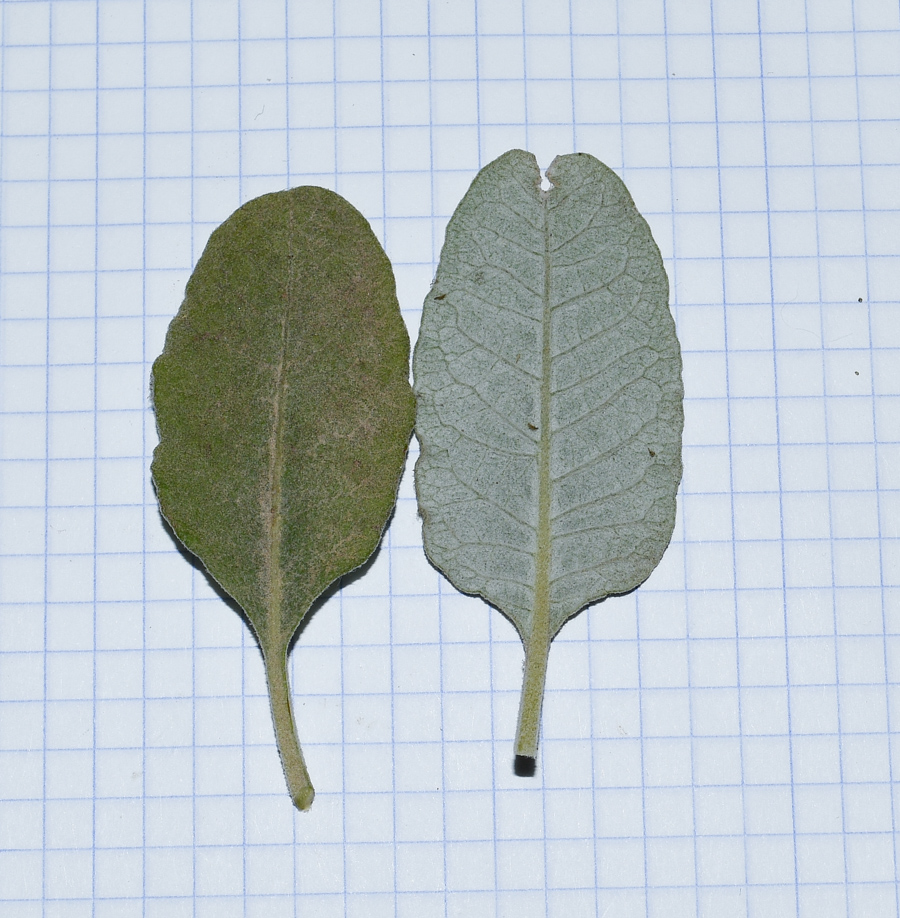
{"x":548,"y":378}
{"x":283,"y":404}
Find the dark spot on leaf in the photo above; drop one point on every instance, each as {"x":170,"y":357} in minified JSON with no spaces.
{"x":651,"y":452}
{"x":532,"y":426}
{"x":443,"y":296}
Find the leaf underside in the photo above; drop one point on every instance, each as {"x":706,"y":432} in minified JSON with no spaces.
{"x":550,"y":400}
{"x":283,"y":406}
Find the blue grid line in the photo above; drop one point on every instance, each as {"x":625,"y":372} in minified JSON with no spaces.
{"x":243,"y":644}
{"x":44,"y":808}
{"x":830,"y":512}
{"x":288,"y":182}
{"x":796,"y":891}
{"x":195,"y":40}
{"x":363,"y":129}
{"x":591,"y":693}
{"x":96,"y":453}
{"x":434,"y":256}
{"x":541,"y":738}
{"x":885,"y":631}
{"x":193,"y":596}
{"x":362,"y":795}
{"x":643,"y":754}
{"x":144,"y":488}
{"x":731,"y":443}
{"x":682,"y":307}
{"x":342,"y":611}
{"x":402,"y":219}
{"x":387,"y":538}
{"x":674,"y":287}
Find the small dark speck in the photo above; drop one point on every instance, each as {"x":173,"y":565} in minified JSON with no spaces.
{"x":856,"y":372}
{"x":443,"y":296}
{"x":859,"y":300}
{"x":651,"y":453}
{"x":532,"y":426}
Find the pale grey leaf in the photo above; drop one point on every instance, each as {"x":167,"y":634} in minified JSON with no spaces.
{"x":548,"y":379}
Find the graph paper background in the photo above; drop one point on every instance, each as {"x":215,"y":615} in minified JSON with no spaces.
{"x":724,"y":741}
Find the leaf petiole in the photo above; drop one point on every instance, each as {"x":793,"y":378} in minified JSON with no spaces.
{"x":295,"y":773}
{"x":537,"y":652}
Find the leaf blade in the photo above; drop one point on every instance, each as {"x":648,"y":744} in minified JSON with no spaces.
{"x":548,"y":376}
{"x":284,"y":407}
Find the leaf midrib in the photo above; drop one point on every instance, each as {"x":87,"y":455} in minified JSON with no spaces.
{"x":537,"y":640}
{"x":273,"y":523}
{"x":540,"y":623}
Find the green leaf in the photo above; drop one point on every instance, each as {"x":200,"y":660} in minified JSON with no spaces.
{"x":284,"y":411}
{"x":548,"y":379}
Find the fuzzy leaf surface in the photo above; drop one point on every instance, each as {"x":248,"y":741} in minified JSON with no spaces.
{"x":283,"y":405}
{"x":548,"y":378}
